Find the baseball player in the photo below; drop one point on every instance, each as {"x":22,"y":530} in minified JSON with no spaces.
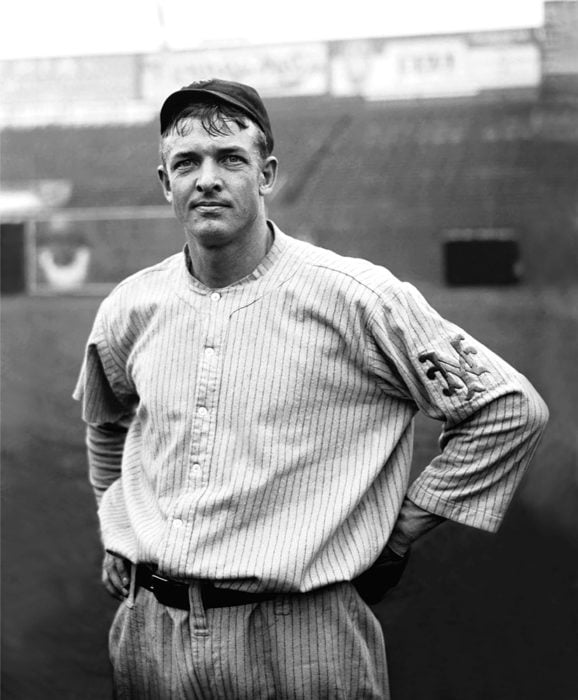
{"x":249,"y":406}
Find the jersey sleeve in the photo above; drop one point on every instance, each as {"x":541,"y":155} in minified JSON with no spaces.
{"x":492,"y":416}
{"x":103,"y":388}
{"x":107,"y":405}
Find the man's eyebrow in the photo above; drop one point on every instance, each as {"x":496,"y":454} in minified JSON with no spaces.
{"x":188,"y":153}
{"x":225,"y":150}
{"x":219,"y":150}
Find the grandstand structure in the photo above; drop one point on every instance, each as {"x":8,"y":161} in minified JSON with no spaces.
{"x":451,"y":159}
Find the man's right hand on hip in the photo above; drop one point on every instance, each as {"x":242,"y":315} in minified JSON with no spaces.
{"x":116,"y":575}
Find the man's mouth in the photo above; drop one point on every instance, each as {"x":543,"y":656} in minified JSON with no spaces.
{"x":209,"y":205}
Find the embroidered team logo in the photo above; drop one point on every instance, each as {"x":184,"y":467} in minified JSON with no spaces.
{"x":463,"y":373}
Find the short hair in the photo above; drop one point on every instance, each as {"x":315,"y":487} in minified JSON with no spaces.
{"x":215,"y":118}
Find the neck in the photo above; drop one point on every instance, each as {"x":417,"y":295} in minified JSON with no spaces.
{"x":218,"y":267}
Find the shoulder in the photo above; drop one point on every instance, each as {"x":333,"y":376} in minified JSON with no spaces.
{"x":356,"y":277}
{"x":139,"y":296}
{"x":158,"y":274}
{"x":148,"y":282}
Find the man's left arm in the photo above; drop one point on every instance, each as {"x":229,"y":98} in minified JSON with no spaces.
{"x":486,"y":447}
{"x":492,"y":416}
{"x":471,"y":481}
{"x":498,"y":440}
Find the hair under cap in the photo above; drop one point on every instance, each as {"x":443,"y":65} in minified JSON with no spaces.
{"x":243,"y":97}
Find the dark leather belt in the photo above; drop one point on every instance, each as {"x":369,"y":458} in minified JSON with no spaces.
{"x":175,"y":594}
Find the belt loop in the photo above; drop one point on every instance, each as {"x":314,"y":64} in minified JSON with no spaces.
{"x":198,"y":615}
{"x":130,"y":600}
{"x":282,"y":604}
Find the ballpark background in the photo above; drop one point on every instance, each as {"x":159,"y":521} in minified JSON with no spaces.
{"x":452,"y":159}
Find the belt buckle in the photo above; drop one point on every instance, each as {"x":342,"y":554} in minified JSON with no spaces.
{"x":161,"y":589}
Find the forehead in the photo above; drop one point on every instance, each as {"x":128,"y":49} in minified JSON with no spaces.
{"x":194,"y":137}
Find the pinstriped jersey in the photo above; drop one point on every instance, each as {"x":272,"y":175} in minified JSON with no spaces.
{"x":271,"y":421}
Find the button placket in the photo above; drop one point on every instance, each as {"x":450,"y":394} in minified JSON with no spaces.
{"x":208,"y":380}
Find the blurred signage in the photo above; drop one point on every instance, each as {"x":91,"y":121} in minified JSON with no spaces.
{"x":75,"y":90}
{"x":62,"y":111}
{"x":422,"y":68}
{"x":401,"y":68}
{"x":78,"y":79}
{"x":129,"y":88}
{"x":434,"y":66}
{"x":297,"y":69}
{"x":506,"y":66}
{"x":500,"y":37}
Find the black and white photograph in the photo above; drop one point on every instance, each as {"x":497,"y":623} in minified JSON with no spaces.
{"x":289,"y":328}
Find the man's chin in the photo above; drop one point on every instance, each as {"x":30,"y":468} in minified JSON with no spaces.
{"x":210,"y":234}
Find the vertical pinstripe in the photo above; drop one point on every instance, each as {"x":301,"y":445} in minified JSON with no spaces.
{"x":271,"y":433}
{"x":323,"y":646}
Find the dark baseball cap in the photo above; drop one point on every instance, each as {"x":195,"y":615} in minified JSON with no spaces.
{"x":243,"y":97}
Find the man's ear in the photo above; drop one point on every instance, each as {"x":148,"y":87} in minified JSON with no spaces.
{"x":268,"y":175}
{"x":166,"y":183}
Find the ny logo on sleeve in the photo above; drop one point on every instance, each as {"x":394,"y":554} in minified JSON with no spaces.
{"x":462,"y":372}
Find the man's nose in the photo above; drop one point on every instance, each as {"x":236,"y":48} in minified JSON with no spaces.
{"x":208,"y":177}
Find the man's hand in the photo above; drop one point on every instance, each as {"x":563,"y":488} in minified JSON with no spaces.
{"x":116,"y":575}
{"x":412,"y":523}
{"x":384,"y":574}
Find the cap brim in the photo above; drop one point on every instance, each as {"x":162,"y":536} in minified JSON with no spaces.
{"x":180,"y":99}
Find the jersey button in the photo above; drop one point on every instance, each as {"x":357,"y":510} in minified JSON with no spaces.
{"x":215,"y":296}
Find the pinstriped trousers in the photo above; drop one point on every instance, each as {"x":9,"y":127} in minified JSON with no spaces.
{"x":325,"y":645}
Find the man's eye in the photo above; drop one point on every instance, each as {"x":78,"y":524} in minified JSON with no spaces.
{"x":185,"y":163}
{"x":232,"y":158}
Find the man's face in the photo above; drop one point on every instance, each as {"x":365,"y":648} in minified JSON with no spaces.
{"x":216,"y":184}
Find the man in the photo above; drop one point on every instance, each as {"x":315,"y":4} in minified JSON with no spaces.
{"x":249,"y":406}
